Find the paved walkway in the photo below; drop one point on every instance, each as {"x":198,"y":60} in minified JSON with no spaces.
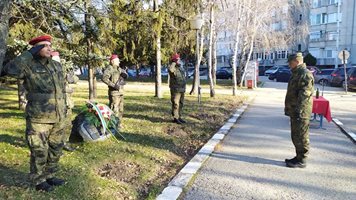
{"x":250,"y":162}
{"x":343,"y":107}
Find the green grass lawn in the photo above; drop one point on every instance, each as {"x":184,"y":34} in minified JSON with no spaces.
{"x":138,"y":168}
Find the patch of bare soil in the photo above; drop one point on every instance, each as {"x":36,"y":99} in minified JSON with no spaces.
{"x":121,"y":171}
{"x":176,"y":131}
{"x":129,"y":172}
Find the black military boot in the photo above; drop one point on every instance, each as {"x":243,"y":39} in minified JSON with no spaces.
{"x":44,"y":186}
{"x":177,"y":121}
{"x":296,"y":163}
{"x":67,"y":147}
{"x":55,"y":181}
{"x":182,"y":120}
{"x":290,"y":160}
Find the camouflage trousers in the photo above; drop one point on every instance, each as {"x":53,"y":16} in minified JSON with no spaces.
{"x":300,"y":136}
{"x":116,"y":104}
{"x":45,"y":142}
{"x":177,"y":99}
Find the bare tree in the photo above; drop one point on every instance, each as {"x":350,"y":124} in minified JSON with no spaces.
{"x":210,"y":56}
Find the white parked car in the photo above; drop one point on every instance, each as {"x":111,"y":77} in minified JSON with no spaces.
{"x":274,"y":69}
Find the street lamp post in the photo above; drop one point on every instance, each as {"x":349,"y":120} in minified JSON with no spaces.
{"x":195,"y":24}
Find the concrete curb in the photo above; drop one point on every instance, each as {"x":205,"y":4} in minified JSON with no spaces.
{"x":346,"y":131}
{"x":182,"y":179}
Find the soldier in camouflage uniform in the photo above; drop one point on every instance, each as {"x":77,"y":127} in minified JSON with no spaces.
{"x":70,"y":78}
{"x":45,"y":110}
{"x":298,"y":106}
{"x":177,"y":84}
{"x":114,"y":76}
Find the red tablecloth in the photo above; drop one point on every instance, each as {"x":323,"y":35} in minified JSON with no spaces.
{"x":321,"y":106}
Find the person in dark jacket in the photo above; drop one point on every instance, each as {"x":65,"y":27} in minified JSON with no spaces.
{"x":177,"y":85}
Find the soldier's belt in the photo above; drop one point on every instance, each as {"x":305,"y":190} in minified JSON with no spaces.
{"x":40,"y":96}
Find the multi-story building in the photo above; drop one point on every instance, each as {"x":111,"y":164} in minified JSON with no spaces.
{"x":332,"y":29}
{"x":292,"y":15}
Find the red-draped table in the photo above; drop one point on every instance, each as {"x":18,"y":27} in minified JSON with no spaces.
{"x":321,"y":106}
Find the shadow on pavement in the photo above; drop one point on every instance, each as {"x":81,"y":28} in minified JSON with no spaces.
{"x":248,"y":159}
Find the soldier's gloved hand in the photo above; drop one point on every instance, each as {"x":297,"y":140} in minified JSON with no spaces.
{"x":35,"y":49}
{"x":123,"y":75}
{"x":117,"y":87}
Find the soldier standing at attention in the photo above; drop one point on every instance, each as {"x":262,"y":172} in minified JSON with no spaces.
{"x":177,"y":83}
{"x":45,"y":109}
{"x":298,"y":106}
{"x":114,"y":76}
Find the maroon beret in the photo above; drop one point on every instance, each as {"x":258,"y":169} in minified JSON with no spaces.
{"x":41,"y":38}
{"x":175,"y":57}
{"x":113,"y":56}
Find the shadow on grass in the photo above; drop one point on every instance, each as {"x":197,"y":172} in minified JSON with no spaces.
{"x":153,"y":141}
{"x":12,"y":177}
{"x":12,"y":114}
{"x":15,"y":141}
{"x":148,"y":118}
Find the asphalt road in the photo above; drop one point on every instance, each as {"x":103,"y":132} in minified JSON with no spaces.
{"x":250,"y":162}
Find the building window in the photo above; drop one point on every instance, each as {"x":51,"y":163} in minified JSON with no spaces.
{"x":332,"y":35}
{"x":284,"y":54}
{"x":315,"y":19}
{"x":300,"y":17}
{"x":316,"y":3}
{"x":333,"y":2}
{"x":332,"y":17}
{"x":329,"y":53}
{"x":324,"y":18}
{"x":315,"y":35}
{"x":271,"y":56}
{"x":299,"y":47}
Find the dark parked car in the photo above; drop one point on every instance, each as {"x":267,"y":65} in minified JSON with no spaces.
{"x":351,"y":78}
{"x":322,"y":77}
{"x":338,"y":76}
{"x":223,"y":74}
{"x":281,"y":75}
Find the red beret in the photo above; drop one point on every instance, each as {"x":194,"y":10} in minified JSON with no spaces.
{"x":54,"y":53}
{"x":175,"y":57}
{"x":113,"y":56}
{"x":41,"y":38}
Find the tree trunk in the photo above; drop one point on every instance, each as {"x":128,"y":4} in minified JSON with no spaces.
{"x":158,"y":81}
{"x":4,"y":28}
{"x":89,"y":49}
{"x":210,"y":62}
{"x":199,"y":52}
{"x":234,"y":63}
{"x":247,"y":61}
{"x":214,"y":60}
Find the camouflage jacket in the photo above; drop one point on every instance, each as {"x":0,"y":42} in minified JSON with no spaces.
{"x":298,"y":101}
{"x":44,"y":82}
{"x":177,"y":80}
{"x":114,"y":76}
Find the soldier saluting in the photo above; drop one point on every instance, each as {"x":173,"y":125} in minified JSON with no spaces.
{"x":298,"y":106}
{"x":114,"y":76}
{"x":45,"y":109}
{"x":177,"y":84}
